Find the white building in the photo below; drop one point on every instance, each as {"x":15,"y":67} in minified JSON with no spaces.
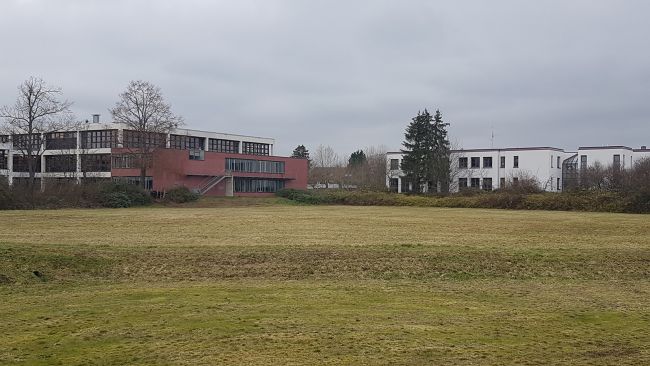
{"x":490,"y":169}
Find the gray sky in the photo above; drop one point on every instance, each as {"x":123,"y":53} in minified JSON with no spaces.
{"x":350,"y":73}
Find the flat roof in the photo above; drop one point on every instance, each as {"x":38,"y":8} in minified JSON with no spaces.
{"x":604,"y":148}
{"x":499,"y":149}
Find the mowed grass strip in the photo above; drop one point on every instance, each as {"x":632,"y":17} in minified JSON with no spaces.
{"x":323,"y":285}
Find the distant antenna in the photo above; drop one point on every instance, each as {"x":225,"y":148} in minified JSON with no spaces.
{"x":492,"y":139}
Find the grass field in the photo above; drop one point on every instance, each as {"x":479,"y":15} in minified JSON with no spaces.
{"x":278,"y":284}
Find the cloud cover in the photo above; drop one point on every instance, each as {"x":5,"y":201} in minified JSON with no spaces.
{"x":350,"y":73}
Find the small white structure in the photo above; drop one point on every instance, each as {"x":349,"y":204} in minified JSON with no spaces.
{"x":490,"y":169}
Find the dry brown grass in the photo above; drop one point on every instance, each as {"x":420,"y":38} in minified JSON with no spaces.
{"x":323,"y":285}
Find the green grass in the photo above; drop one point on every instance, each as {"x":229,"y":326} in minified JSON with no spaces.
{"x":274,"y":283}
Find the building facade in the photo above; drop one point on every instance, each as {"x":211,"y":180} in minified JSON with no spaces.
{"x":552,"y":168}
{"x":209,"y":163}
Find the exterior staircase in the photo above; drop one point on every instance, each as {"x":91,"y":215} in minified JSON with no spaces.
{"x":209,"y":183}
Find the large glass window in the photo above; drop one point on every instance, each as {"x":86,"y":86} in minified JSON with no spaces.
{"x":583,"y":162}
{"x":503,"y":162}
{"x":476,"y":162}
{"x":254,"y":148}
{"x":96,"y":162}
{"x":128,"y":161}
{"x":254,"y":166}
{"x":61,"y":140}
{"x":487,"y":184}
{"x":186,"y":142}
{"x":136,"y":139}
{"x":394,"y":164}
{"x":487,"y":162}
{"x":60,"y":163}
{"x":4,"y":155}
{"x":148,"y":181}
{"x":258,"y":185}
{"x":224,"y":146}
{"x":99,"y":139}
{"x":20,"y":163}
{"x":515,"y":162}
{"x":24,"y":142}
{"x":462,"y":163}
{"x":462,"y":183}
{"x":475,"y":182}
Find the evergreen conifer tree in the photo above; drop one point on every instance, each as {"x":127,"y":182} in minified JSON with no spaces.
{"x":417,"y":151}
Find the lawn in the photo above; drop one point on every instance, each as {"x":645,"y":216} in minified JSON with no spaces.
{"x":272,"y":283}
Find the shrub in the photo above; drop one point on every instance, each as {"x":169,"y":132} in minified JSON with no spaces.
{"x":122,"y":194}
{"x":181,"y":194}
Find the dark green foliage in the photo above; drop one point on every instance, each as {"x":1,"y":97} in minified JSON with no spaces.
{"x":300,"y":152}
{"x":426,"y":152}
{"x":357,"y":158}
{"x":122,"y":194}
{"x":569,"y":201}
{"x":181,"y":194}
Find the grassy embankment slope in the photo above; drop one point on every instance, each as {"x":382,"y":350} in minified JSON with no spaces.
{"x":281,"y":284}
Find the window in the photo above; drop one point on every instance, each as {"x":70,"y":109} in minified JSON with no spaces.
{"x":254,"y":148}
{"x":197,"y":155}
{"x":21,"y":163}
{"x":4,"y":138}
{"x":100,"y":139}
{"x":128,"y":161}
{"x":558,"y":163}
{"x":476,"y":182}
{"x":254,"y":166}
{"x":551,"y":161}
{"x":503,"y":162}
{"x":394,"y":164}
{"x":136,"y":139}
{"x":96,"y":163}
{"x":25,"y":141}
{"x":60,"y":163}
{"x":515,"y":161}
{"x":258,"y":185}
{"x":487,"y":184}
{"x":224,"y":146}
{"x":4,"y":155}
{"x":186,"y":142}
{"x":515,"y":181}
{"x":617,"y":161}
{"x":393,"y":184}
{"x":462,"y":183}
{"x":502,"y":182}
{"x":148,"y":181}
{"x":61,"y":140}
{"x":558,"y":184}
{"x":487,"y":162}
{"x":462,"y":163}
{"x":583,"y":162}
{"x":476,"y":162}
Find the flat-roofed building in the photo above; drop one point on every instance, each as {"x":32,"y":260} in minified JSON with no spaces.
{"x":210,"y":163}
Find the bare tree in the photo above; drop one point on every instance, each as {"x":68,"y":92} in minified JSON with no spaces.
{"x":147,"y":120}
{"x":326,"y":166}
{"x":38,"y":110}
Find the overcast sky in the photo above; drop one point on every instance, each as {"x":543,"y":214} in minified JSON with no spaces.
{"x":350,"y":73}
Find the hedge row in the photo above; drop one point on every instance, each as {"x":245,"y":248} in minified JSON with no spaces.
{"x":569,"y":201}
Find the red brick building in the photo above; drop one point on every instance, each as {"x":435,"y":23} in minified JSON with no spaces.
{"x":207,"y":162}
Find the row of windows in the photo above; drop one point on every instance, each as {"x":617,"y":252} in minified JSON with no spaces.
{"x":254,"y":148}
{"x":99,"y":139}
{"x":254,"y":166}
{"x":258,"y":185}
{"x":186,"y":142}
{"x":128,"y":161}
{"x":133,"y":139}
{"x":61,"y":140}
{"x":475,"y":162}
{"x":224,"y":146}
{"x":148,"y":181}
